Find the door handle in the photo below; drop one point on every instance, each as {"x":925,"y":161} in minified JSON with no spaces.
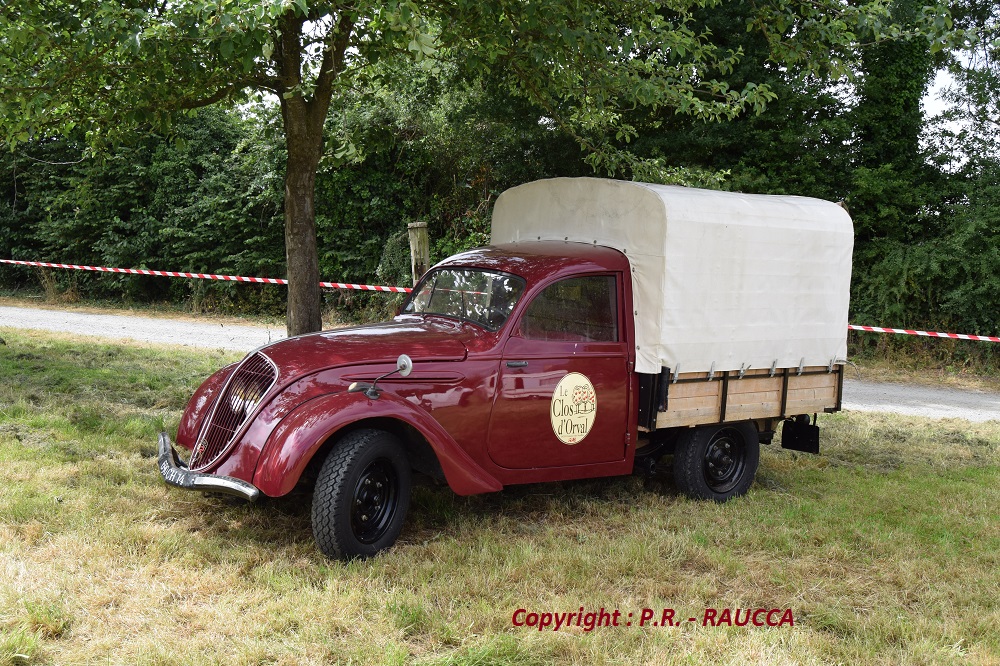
{"x":517,"y":364}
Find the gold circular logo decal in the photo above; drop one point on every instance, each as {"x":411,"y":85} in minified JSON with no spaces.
{"x":574,"y":408}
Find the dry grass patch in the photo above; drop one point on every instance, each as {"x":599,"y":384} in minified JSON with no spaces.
{"x":885,"y":547}
{"x":960,"y":364}
{"x":884,"y":370}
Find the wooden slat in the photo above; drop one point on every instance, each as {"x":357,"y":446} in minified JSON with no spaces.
{"x":753,"y":411}
{"x":687,"y":418}
{"x":752,"y":396}
{"x":772,"y":398}
{"x":696,"y":389}
{"x":812,"y":393}
{"x":699,"y":402}
{"x":812,"y":381}
{"x":807,"y":407}
{"x":753,"y":385}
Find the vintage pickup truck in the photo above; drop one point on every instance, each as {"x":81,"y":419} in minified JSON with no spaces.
{"x":607,"y":325}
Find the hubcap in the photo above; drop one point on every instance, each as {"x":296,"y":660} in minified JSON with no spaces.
{"x":376,"y":496}
{"x":725,"y":460}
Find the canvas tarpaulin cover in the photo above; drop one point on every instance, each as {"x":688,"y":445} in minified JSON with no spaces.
{"x":720,"y":279}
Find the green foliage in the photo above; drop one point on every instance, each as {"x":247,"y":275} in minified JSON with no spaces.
{"x":103,"y":69}
{"x":896,"y":191}
{"x":793,"y":146}
{"x":973,"y":257}
{"x":97,"y":71}
{"x":920,"y":194}
{"x":438,"y":148}
{"x":207,"y":202}
{"x":950,"y":282}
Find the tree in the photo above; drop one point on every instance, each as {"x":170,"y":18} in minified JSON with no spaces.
{"x":799,"y":144}
{"x":968,"y":138}
{"x":106,"y":67}
{"x":972,"y":126}
{"x":897,"y":191}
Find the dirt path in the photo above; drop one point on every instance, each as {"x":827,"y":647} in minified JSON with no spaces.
{"x":858,"y":395}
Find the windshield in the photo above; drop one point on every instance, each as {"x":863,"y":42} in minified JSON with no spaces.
{"x":482,"y":297}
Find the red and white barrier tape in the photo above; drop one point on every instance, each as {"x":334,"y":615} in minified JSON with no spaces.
{"x":406,"y":290}
{"x":929,"y":334}
{"x":204,"y":276}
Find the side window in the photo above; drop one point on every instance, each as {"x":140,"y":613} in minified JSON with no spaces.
{"x":583,"y":309}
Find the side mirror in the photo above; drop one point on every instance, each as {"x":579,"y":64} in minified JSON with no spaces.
{"x":404,"y":365}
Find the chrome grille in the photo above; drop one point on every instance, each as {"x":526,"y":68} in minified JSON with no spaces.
{"x":246,"y":387}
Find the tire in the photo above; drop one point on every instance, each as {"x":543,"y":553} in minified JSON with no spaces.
{"x":361,"y":496}
{"x":717,"y":462}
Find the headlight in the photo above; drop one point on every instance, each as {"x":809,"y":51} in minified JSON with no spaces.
{"x":244,"y":398}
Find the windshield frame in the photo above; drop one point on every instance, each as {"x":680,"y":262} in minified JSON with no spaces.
{"x":408,"y":307}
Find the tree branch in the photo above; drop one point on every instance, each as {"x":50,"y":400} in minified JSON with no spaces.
{"x":331,"y":67}
{"x":269,"y":83}
{"x":219,"y":95}
{"x":288,"y":53}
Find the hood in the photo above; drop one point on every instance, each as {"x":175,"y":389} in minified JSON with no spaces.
{"x":421,"y":340}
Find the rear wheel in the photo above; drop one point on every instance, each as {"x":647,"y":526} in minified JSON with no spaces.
{"x":361,"y":496}
{"x":717,"y":462}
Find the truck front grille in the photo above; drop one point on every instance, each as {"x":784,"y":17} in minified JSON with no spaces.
{"x":247,"y":386}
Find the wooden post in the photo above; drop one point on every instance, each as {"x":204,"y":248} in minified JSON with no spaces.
{"x":420,"y":249}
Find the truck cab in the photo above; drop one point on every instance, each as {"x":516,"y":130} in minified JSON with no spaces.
{"x":558,"y":359}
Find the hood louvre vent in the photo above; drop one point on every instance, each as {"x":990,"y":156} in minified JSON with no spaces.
{"x":240,"y":398}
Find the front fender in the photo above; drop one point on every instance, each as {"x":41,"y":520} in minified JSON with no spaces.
{"x":295,"y":440}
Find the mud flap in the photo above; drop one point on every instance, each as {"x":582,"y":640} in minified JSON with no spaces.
{"x":797,"y":434}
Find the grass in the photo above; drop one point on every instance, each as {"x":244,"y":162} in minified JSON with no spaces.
{"x":886,"y":546}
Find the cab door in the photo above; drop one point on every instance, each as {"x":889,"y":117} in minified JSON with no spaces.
{"x":563,"y":392}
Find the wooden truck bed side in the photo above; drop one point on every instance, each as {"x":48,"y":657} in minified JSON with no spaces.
{"x":694,"y":399}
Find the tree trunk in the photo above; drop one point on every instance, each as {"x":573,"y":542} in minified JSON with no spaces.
{"x":304,"y":143}
{"x":303,"y":119}
{"x":301,"y":253}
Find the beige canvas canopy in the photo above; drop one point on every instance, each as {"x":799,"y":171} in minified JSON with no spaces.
{"x":721,"y":280}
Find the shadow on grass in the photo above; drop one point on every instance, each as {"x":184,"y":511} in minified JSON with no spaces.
{"x":435,"y":510}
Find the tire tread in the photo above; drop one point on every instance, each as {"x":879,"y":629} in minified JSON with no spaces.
{"x":331,"y":493}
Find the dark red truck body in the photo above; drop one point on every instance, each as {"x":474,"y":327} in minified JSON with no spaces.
{"x":514,"y":363}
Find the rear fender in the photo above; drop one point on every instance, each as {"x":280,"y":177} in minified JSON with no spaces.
{"x":298,"y":437}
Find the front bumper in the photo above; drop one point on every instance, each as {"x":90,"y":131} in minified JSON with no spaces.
{"x":176,"y":473}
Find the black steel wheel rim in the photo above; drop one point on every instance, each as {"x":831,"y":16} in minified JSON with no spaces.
{"x":725,"y":460}
{"x":376,"y":497}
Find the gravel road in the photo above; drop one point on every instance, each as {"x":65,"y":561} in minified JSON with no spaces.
{"x":858,"y":395}
{"x":147,"y":329}
{"x":930,"y":401}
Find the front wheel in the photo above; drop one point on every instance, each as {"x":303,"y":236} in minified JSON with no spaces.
{"x":361,"y":496}
{"x":717,"y":462}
